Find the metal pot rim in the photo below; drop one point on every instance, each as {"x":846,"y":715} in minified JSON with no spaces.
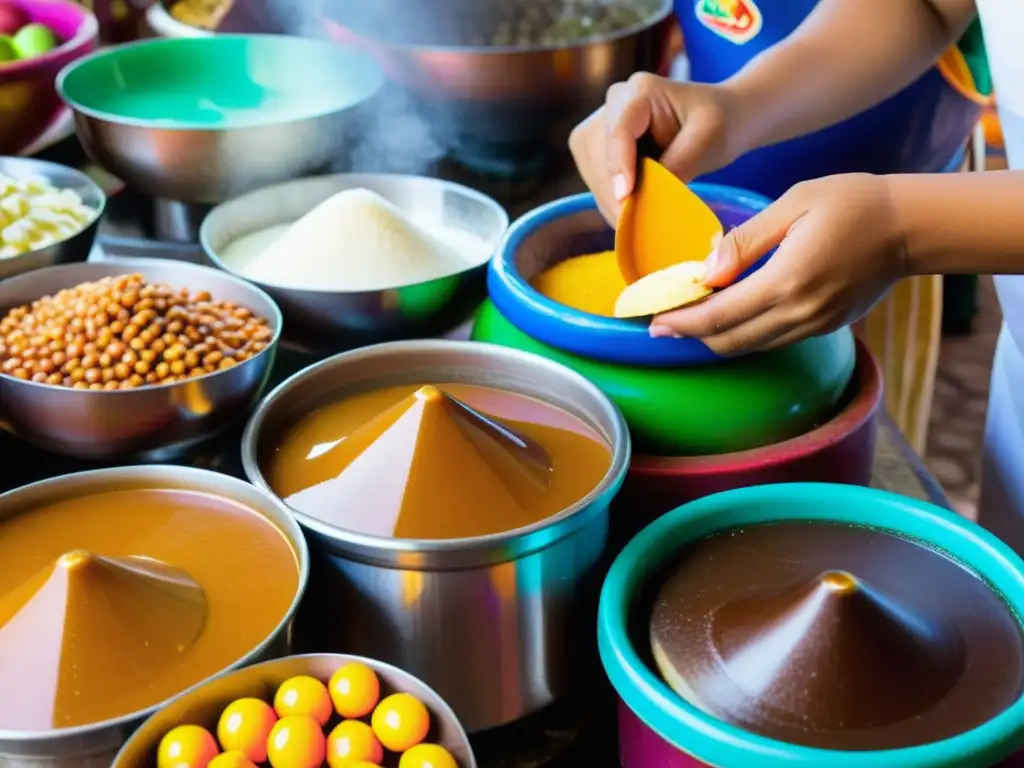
{"x":472,"y":551}
{"x":284,"y":521}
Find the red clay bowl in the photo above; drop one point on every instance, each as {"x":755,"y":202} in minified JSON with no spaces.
{"x":839,"y":451}
{"x":29,"y":103}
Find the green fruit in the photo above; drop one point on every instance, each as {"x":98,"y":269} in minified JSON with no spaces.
{"x":34,"y":40}
{"x":7,"y":50}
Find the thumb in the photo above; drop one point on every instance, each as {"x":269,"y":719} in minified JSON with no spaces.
{"x":744,"y":245}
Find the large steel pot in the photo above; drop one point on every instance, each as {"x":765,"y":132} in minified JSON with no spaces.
{"x":501,"y":625}
{"x":95,"y":745}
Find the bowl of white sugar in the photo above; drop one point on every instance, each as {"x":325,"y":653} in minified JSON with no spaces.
{"x":355,"y":259}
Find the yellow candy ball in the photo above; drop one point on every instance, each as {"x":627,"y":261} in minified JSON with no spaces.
{"x":354,"y":689}
{"x":245,"y":726}
{"x":400,"y":722}
{"x":427,"y":756}
{"x":304,"y":695}
{"x":296,"y":741}
{"x":187,"y":746}
{"x":353,"y":742}
{"x":232,"y":760}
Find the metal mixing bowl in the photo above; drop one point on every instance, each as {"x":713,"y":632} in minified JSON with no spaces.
{"x":94,"y":745}
{"x":174,"y":156}
{"x":335,"y":320}
{"x":203,"y":704}
{"x":79,"y":245}
{"x":148,"y":423}
{"x":455,"y":611}
{"x":499,"y":106}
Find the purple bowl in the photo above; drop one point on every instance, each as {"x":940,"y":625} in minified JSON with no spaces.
{"x":29,"y":103}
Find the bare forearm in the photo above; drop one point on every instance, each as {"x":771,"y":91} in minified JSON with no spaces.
{"x":961,"y":223}
{"x":847,"y":56}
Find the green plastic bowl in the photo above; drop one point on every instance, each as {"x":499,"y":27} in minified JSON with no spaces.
{"x":713,"y":742}
{"x":736,"y":405}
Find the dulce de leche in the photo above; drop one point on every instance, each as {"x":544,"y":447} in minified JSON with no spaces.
{"x":437,"y":462}
{"x":835,"y":636}
{"x":112,"y":602}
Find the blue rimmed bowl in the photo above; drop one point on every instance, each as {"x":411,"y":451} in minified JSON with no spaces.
{"x":657,"y":727}
{"x":572,"y":226}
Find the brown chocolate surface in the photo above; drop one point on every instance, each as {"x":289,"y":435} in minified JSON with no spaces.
{"x":835,"y":636}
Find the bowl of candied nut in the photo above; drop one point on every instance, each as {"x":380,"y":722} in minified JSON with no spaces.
{"x":49,"y":215}
{"x":131,"y":359}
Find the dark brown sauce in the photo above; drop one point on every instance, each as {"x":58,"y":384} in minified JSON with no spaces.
{"x":835,"y":637}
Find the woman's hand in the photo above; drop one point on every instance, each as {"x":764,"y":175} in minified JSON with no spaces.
{"x":840,"y":247}
{"x":693,"y":125}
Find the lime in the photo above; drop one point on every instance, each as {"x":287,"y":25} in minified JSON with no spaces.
{"x":34,"y":40}
{"x":7,"y":50}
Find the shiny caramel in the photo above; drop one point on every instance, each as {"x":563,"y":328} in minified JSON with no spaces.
{"x":836,"y":637}
{"x":437,"y":462}
{"x":113,"y":602}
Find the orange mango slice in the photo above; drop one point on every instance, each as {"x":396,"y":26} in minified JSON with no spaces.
{"x":663,"y":223}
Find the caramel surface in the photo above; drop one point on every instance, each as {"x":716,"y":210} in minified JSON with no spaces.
{"x":114,"y":602}
{"x":836,"y":637}
{"x":445,"y":462}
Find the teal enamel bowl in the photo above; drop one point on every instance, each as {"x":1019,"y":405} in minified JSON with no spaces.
{"x":657,"y":727}
{"x":205,"y":119}
{"x":737,"y":405}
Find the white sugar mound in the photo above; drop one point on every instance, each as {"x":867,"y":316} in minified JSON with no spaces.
{"x":355,"y":241}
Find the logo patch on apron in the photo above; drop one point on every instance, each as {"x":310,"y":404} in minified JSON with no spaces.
{"x":738,"y":21}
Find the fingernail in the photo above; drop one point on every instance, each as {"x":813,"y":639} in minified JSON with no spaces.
{"x":711,"y":261}
{"x":619,"y":187}
{"x":662,"y":332}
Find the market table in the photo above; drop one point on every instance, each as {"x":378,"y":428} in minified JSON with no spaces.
{"x":580,"y":732}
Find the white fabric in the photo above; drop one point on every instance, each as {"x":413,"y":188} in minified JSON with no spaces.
{"x":1002,"y":496}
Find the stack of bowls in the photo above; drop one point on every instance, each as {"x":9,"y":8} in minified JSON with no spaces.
{"x":699,"y":423}
{"x":658,"y":727}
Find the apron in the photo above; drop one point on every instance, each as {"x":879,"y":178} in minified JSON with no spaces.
{"x":1002,"y":493}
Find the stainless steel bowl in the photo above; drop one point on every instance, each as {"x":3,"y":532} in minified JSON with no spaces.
{"x":498,"y":106}
{"x":75,"y":248}
{"x":95,"y":745}
{"x":148,"y":423}
{"x":203,"y":704}
{"x":454,"y":612}
{"x":333,"y":320}
{"x":196,"y":163}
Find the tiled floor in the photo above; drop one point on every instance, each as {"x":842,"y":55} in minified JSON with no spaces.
{"x":961,"y":400}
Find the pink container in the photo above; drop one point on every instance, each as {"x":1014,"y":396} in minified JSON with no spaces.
{"x":840,"y":451}
{"x":29,"y":103}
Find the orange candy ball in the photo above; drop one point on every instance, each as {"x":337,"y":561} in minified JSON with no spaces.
{"x":245,"y":727}
{"x":364,"y":764}
{"x":296,"y":741}
{"x":304,"y":695}
{"x":352,"y":742}
{"x":232,"y":760}
{"x":400,"y":722}
{"x":187,"y":746}
{"x":427,"y":756}
{"x":355,"y":690}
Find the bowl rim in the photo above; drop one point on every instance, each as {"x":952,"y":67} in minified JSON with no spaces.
{"x":277,"y":319}
{"x":261,"y":121}
{"x":516,"y":298}
{"x":665,"y":10}
{"x":88,"y":31}
{"x":342,"y":658}
{"x":867,"y":378}
{"x":508,"y":545}
{"x":716,"y":742}
{"x":295,"y":537}
{"x":210,"y":220}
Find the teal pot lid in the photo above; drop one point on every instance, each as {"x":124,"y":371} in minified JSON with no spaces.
{"x":717,"y":743}
{"x":736,"y":405}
